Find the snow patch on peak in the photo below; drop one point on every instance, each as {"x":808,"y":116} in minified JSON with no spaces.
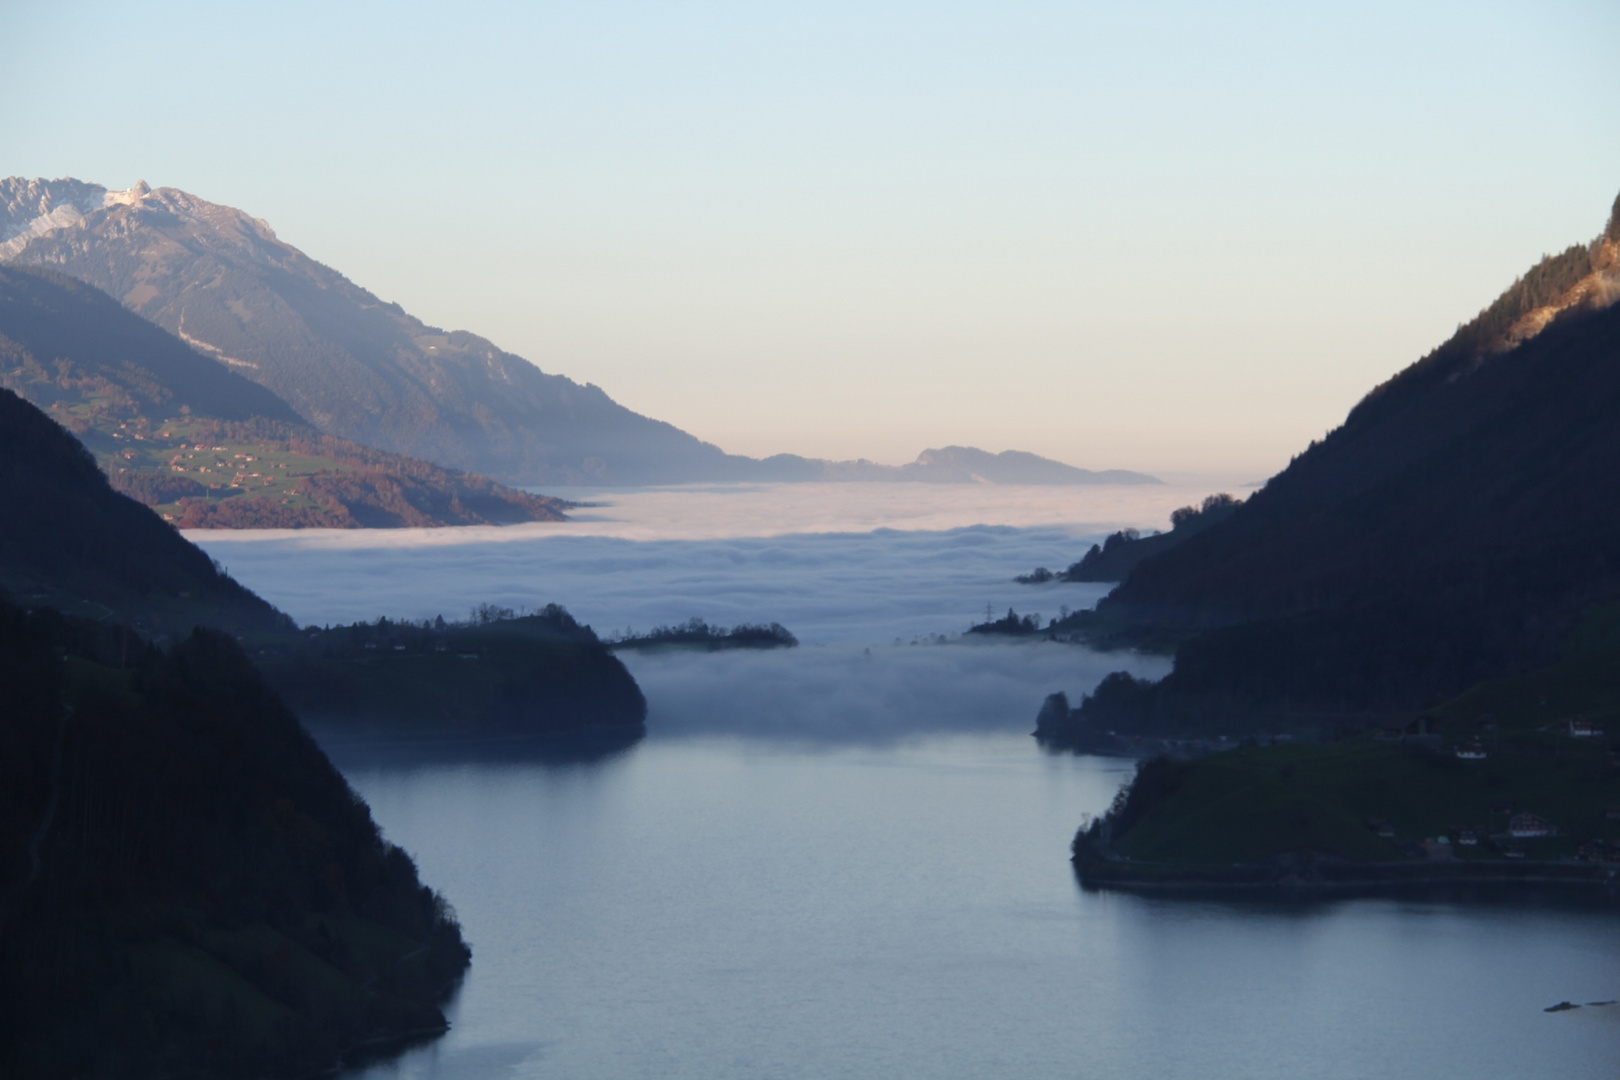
{"x":31,"y":208}
{"x":128,"y":197}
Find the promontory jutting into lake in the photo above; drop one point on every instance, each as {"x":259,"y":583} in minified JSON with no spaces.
{"x":377,"y":704}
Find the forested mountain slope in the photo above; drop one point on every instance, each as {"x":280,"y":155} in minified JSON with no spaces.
{"x":188,"y":888}
{"x":1454,"y":527}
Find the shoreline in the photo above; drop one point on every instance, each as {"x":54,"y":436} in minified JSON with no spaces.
{"x":1323,"y":876}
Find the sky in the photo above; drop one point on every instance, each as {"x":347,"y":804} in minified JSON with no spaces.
{"x":1183,"y":238}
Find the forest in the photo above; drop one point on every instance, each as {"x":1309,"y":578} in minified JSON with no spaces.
{"x":187,"y":886}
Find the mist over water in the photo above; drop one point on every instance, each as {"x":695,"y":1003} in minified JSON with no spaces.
{"x":851,"y":563}
{"x":871,"y":694}
{"x":858,"y":600}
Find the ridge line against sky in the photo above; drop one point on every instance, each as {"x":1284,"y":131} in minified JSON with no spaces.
{"x":1163,"y":237}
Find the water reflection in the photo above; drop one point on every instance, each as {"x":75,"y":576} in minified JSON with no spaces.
{"x":517,"y":751}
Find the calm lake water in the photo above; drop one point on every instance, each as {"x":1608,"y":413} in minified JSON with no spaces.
{"x":850,"y":859}
{"x":728,"y":908}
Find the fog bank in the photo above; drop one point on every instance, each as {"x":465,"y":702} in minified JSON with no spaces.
{"x":857,"y":598}
{"x":868,"y":694}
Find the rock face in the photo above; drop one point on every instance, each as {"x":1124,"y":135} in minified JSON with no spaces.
{"x":350,"y":364}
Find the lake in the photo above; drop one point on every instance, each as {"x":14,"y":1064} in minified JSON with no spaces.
{"x":850,"y":859}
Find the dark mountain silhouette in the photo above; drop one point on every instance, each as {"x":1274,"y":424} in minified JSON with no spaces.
{"x":1453,"y":528}
{"x":182,"y":432}
{"x":364,"y":370}
{"x":188,"y":888}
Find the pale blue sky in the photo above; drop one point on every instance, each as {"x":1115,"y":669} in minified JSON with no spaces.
{"x":1160,"y":236}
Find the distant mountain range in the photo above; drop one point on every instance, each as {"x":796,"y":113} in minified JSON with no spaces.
{"x":203,"y":445}
{"x":950,"y":465}
{"x":359,"y":369}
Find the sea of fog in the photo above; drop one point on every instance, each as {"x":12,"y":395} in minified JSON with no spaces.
{"x":849,"y":859}
{"x":877,"y":580}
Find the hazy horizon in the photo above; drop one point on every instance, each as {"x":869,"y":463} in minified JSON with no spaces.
{"x":1161,"y":238}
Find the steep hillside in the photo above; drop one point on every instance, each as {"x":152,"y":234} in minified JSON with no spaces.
{"x":350,"y":364}
{"x":208,"y":448}
{"x":188,"y":888}
{"x":1453,"y":528}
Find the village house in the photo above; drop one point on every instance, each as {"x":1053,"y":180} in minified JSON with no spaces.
{"x":1472,"y":750}
{"x":1582,"y":728}
{"x":1523,"y":826}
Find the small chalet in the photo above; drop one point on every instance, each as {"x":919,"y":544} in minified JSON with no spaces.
{"x":1582,"y":728}
{"x":1472,"y":750}
{"x":1522,"y":826}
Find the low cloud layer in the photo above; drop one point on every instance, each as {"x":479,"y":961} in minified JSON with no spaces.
{"x":847,"y":575}
{"x":848,"y":594}
{"x":729,"y":511}
{"x":877,"y":694}
{"x":862,"y":589}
